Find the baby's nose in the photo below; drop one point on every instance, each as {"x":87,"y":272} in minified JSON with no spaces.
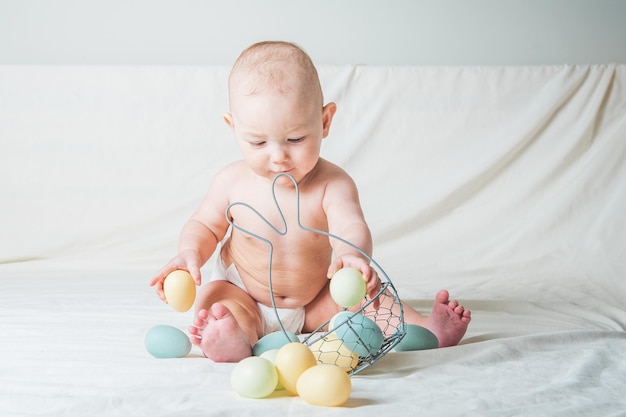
{"x":279,"y":154}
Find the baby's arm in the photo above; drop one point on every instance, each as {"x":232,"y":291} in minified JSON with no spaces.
{"x":345,"y":220}
{"x":201,"y":234}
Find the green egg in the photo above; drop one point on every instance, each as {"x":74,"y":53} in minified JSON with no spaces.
{"x":359,"y":334}
{"x":417,"y":338}
{"x":164,"y":341}
{"x":254,"y":377}
{"x":274,"y":340}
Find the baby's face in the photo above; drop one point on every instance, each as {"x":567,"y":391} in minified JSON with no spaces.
{"x":279,"y":132}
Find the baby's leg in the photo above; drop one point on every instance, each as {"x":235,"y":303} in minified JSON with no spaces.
{"x":227,"y":323}
{"x":448,"y":319}
{"x":318,"y":311}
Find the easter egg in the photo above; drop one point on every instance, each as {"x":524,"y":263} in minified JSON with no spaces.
{"x":180,"y":290}
{"x":291,"y":361}
{"x":347,"y":287}
{"x":326,"y":385}
{"x":254,"y":377}
{"x":164,"y":341}
{"x":359,"y":334}
{"x":274,"y":340}
{"x":330,"y":350}
{"x":270,"y":355}
{"x":417,"y":338}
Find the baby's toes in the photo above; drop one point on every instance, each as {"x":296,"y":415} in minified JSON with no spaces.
{"x":201,"y":319}
{"x":203,"y":314}
{"x":195,"y":335}
{"x":199,"y":323}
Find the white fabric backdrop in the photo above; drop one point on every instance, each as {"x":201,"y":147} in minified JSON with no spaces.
{"x":503,"y":184}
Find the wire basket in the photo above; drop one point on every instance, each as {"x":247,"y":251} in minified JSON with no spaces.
{"x":352,"y":342}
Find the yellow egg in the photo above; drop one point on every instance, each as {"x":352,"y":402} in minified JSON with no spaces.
{"x":326,"y":385}
{"x":331,"y":350}
{"x":180,"y":290}
{"x":291,"y":361}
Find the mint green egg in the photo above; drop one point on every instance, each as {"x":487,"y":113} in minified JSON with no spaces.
{"x":348,"y":287}
{"x":164,"y":341}
{"x":254,"y":377}
{"x":359,"y":334}
{"x":417,"y":338}
{"x":274,"y":340}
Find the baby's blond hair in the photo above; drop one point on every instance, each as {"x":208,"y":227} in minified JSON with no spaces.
{"x":275,"y":66}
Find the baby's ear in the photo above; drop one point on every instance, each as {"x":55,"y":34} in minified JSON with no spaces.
{"x":328,"y":111}
{"x":228,"y":118}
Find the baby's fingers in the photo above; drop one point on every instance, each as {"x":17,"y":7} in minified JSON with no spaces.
{"x":194,"y":271}
{"x":159,"y":290}
{"x":373,"y":288}
{"x":335,"y":266}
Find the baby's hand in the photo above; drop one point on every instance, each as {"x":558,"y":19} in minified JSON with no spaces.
{"x":186,"y":260}
{"x":371,"y":276}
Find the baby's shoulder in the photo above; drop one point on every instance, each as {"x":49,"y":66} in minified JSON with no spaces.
{"x":227,"y":179}
{"x":332,"y":174}
{"x":329,"y":170}
{"x":231,"y":173}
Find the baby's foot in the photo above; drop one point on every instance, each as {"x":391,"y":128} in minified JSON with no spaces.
{"x":219,"y":335}
{"x":448,"y":320}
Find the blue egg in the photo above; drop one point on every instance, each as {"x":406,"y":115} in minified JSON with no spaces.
{"x":417,"y":338}
{"x":360,"y":334}
{"x":274,"y":340}
{"x":167,"y":342}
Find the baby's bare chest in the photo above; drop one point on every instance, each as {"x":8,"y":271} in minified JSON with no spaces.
{"x":286,"y":219}
{"x":295,"y":232}
{"x":299,"y":260}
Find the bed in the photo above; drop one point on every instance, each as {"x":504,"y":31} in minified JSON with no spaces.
{"x":504,"y":185}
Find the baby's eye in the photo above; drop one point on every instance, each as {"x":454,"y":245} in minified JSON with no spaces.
{"x":296,"y":140}
{"x":257,"y":144}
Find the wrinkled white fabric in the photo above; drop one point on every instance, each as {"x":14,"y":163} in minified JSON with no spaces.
{"x":505,"y":185}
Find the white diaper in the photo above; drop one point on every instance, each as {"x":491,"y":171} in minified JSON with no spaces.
{"x":291,"y":318}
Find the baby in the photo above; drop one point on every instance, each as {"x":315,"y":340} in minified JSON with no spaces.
{"x":279,"y":120}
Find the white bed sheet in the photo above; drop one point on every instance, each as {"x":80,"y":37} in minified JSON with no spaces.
{"x":504,"y":185}
{"x":72,"y":345}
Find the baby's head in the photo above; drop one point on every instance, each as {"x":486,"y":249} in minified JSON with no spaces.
{"x":275,"y":67}
{"x":276,"y":109}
